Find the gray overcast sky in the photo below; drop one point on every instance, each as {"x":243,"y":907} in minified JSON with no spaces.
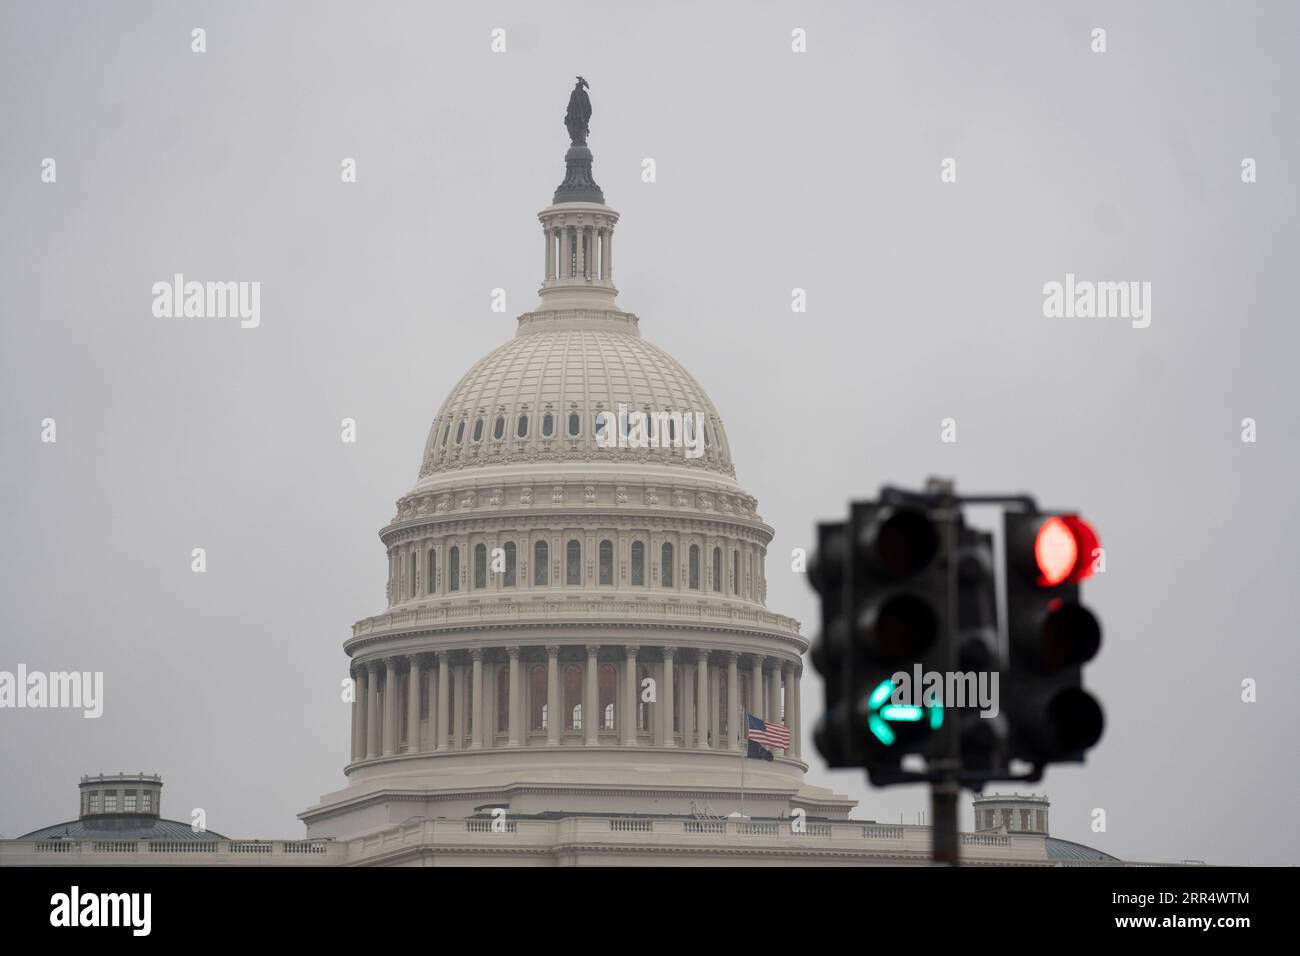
{"x":775,"y":170}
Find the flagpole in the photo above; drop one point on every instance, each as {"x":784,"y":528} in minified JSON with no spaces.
{"x":744,"y":752}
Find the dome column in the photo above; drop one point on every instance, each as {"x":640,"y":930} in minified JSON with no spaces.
{"x":591,"y":698}
{"x":668,"y":709}
{"x":444,"y":702}
{"x":774,"y":696}
{"x":476,"y":715}
{"x":513,"y":738}
{"x":733,"y":700}
{"x":358,"y":713}
{"x":796,"y":745}
{"x":372,"y":710}
{"x":630,"y":692}
{"x":413,"y":705}
{"x":552,"y":695}
{"x":756,"y":687}
{"x":702,"y":700}
{"x":390,"y":707}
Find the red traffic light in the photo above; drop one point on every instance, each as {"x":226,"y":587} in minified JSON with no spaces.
{"x":1063,"y":550}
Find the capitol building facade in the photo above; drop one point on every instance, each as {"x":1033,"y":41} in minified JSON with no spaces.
{"x":575,"y":630}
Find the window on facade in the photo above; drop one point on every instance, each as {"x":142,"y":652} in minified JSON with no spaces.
{"x":503,"y":698}
{"x":129,"y":802}
{"x":607,"y":679}
{"x":453,"y":569}
{"x":573,"y":562}
{"x":537,"y":697}
{"x":415,"y":571}
{"x":606,"y":562}
{"x":541,"y":560}
{"x":735,"y":572}
{"x":575,"y":423}
{"x":146,"y":801}
{"x":573,"y":697}
{"x":478,"y":428}
{"x":446,"y":430}
{"x":638,"y":563}
{"x":499,"y":428}
{"x":432,"y":572}
{"x":666,"y":564}
{"x":521,"y":427}
{"x":717,"y":569}
{"x":693,"y":568}
{"x":460,"y":432}
{"x":480,"y":566}
{"x":548,"y":425}
{"x":110,"y":801}
{"x":511,"y":556}
{"x":94,"y":803}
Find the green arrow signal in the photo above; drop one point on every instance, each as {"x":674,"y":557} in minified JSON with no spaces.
{"x":880,"y":716}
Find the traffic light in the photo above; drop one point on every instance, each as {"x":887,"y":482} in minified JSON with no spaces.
{"x":828,"y":572}
{"x":897,"y":597}
{"x":1050,"y":637}
{"x":983,"y":739}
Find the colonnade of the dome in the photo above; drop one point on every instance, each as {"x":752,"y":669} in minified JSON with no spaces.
{"x":486,"y":697}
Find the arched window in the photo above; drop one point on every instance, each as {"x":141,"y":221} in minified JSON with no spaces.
{"x":511,"y":556}
{"x":666,"y":564}
{"x":638,"y":563}
{"x":503,"y":698}
{"x":431,"y":573}
{"x":606,"y":562}
{"x":575,"y":423}
{"x":693,"y":568}
{"x":717,"y":569}
{"x":499,"y":428}
{"x":572,"y":697}
{"x":573,"y":562}
{"x":607,"y":677}
{"x":735,"y":572}
{"x":521,"y":427}
{"x":480,"y":566}
{"x":537,"y":697}
{"x":453,"y":569}
{"x":541,"y":564}
{"x":478,"y":428}
{"x":548,"y":425}
{"x":460,"y":432}
{"x":415,"y":572}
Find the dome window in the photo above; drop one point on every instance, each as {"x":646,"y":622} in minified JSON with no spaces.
{"x":460,"y":432}
{"x":666,"y":564}
{"x":521,"y":427}
{"x":446,"y":430}
{"x":638,"y":563}
{"x":606,"y":562}
{"x":574,"y":424}
{"x":693,"y":572}
{"x":540,"y":569}
{"x":478,"y":428}
{"x":480,"y":566}
{"x":548,"y":425}
{"x":717,"y":569}
{"x":499,"y":428}
{"x":511,"y":561}
{"x":453,"y":569}
{"x":573,"y":562}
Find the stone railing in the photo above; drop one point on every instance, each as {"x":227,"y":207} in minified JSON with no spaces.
{"x":70,"y":852}
{"x":496,"y":612}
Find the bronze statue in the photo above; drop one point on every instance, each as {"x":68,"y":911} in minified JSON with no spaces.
{"x":578,"y":113}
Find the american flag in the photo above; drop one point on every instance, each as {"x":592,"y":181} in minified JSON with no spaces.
{"x":767,"y":734}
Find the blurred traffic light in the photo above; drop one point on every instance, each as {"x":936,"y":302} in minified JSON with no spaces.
{"x":1050,"y":637}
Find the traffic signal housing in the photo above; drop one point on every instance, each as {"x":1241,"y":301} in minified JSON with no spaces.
{"x":1051,"y":635}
